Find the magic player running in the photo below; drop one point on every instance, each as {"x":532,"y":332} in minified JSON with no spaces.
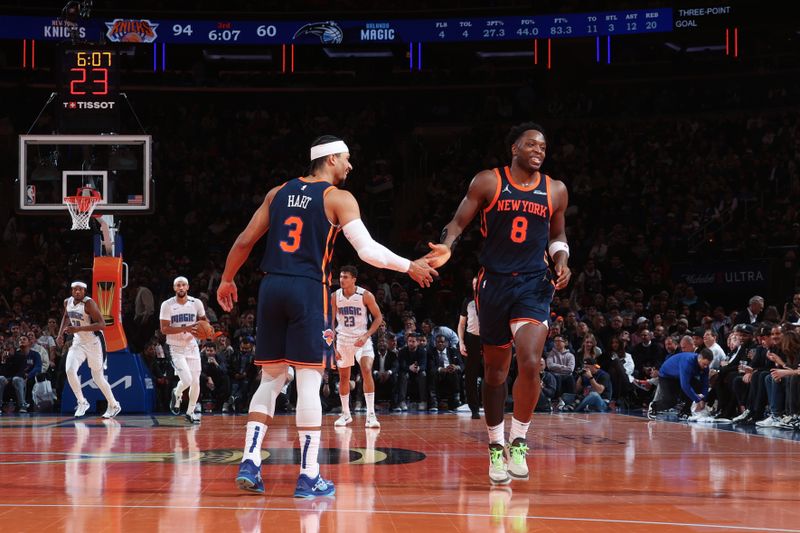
{"x":178,"y":317}
{"x":82,"y":318}
{"x":522,"y":219}
{"x":351,"y":306}
{"x":303,"y":216}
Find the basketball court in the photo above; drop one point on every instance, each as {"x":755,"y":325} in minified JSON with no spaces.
{"x":592,"y":472}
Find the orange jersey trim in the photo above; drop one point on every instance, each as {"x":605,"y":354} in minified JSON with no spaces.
{"x":530,"y":320}
{"x":326,"y":254}
{"x":478,"y":290}
{"x":549,"y":197}
{"x":520,"y":187}
{"x":281,"y":186}
{"x":498,"y":187}
{"x":306,"y":180}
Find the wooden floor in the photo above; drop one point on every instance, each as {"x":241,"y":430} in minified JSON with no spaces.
{"x":419,"y":472}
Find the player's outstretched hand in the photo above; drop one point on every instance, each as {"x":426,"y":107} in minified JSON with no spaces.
{"x":421,"y":272}
{"x":227,"y":295}
{"x":438,"y":256}
{"x":563,"y":275}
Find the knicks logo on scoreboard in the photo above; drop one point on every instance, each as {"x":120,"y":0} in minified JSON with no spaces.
{"x":131,"y":31}
{"x":105,"y":300}
{"x":327,"y":336}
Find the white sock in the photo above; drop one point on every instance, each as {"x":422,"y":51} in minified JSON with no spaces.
{"x":345,"y":403}
{"x":370,"y":399}
{"x":497,"y":434}
{"x":253,"y":440}
{"x":309,"y":450}
{"x":519,"y":430}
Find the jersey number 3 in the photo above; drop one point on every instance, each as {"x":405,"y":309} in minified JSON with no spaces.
{"x":292,"y":242}
{"x":519,"y":229}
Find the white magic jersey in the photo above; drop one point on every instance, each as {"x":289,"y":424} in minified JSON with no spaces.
{"x":178,"y":314}
{"x":77,"y":316}
{"x":351,"y":314}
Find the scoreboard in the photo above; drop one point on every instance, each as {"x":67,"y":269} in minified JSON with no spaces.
{"x":330,"y":30}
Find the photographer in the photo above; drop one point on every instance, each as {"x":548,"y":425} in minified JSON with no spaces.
{"x":596,"y":386}
{"x":214,"y":377}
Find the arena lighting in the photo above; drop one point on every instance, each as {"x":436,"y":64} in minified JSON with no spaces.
{"x":694,"y":49}
{"x":494,"y":55}
{"x":254,"y":58}
{"x":339,"y":53}
{"x":704,"y":48}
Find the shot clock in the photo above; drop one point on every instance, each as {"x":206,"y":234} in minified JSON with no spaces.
{"x":88,"y":87}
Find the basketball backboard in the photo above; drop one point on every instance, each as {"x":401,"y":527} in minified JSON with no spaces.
{"x":52,"y":167}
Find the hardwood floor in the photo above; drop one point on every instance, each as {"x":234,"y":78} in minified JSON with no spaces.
{"x":419,"y":473}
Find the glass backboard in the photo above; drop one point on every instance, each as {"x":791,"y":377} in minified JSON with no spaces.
{"x":52,"y":167}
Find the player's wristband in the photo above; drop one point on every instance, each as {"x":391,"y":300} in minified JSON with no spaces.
{"x":558,"y":246}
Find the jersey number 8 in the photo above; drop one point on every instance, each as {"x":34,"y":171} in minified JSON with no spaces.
{"x":519,"y":229}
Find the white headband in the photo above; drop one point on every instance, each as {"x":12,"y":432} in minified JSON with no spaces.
{"x":180,"y":278}
{"x":335,"y":147}
{"x":77,"y":284}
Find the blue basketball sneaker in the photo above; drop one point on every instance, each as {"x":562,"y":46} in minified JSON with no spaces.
{"x":311,"y":488}
{"x":249,"y":477}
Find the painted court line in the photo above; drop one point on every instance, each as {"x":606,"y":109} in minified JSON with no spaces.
{"x":412,"y":513}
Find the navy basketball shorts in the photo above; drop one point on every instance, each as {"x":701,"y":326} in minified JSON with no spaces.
{"x":293,"y":322}
{"x":507,"y":298}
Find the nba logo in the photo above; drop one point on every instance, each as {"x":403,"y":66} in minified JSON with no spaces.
{"x":30,"y":195}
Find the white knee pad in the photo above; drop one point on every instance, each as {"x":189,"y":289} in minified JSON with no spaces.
{"x":273,"y":377}
{"x":309,"y":407}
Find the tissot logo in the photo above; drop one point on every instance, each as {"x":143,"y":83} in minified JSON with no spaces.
{"x":89,"y":105}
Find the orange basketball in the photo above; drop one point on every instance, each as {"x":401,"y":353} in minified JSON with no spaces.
{"x":204,"y":330}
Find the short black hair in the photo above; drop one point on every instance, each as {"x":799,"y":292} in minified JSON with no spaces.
{"x":707,"y":354}
{"x":317,"y":163}
{"x":350,"y":269}
{"x":516,"y":132}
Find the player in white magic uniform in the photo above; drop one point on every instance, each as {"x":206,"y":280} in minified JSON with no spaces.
{"x":82,"y":318}
{"x":354,"y":341}
{"x":178,"y":317}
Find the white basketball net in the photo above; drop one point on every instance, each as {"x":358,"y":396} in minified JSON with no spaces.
{"x":81,"y":209}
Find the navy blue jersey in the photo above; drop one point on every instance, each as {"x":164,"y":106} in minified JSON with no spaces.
{"x":300,"y":237}
{"x":516,"y":225}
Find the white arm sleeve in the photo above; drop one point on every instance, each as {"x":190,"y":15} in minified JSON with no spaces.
{"x":370,"y":251}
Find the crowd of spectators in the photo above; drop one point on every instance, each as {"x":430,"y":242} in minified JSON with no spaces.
{"x":698,"y":174}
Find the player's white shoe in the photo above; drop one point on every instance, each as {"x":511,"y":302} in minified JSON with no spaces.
{"x":517,"y":465}
{"x":498,"y":469}
{"x":343,"y":420}
{"x":372,"y":421}
{"x":113,"y":410}
{"x":82,"y":408}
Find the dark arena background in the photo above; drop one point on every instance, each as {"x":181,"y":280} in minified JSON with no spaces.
{"x":674,"y":126}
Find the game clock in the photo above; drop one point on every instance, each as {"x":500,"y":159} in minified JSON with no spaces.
{"x":88,"y":86}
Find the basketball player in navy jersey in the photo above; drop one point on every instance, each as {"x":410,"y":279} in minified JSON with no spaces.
{"x":303,"y":216}
{"x":522,"y":220}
